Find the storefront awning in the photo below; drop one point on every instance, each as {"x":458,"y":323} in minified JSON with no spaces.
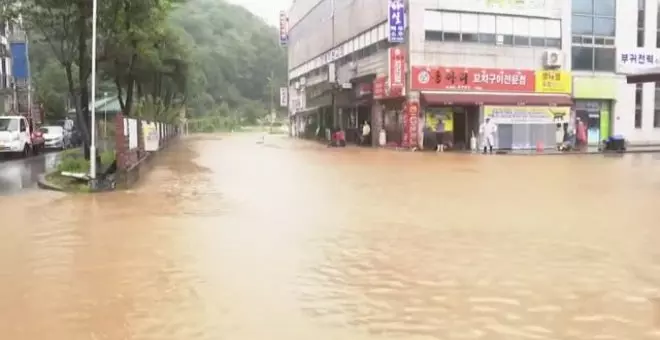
{"x":466,"y":98}
{"x":652,"y":75}
{"x":307,"y":111}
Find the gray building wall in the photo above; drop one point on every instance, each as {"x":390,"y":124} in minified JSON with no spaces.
{"x":312,"y":31}
{"x":423,"y":52}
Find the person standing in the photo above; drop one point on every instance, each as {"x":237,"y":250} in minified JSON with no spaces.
{"x":581,"y":134}
{"x":559,"y":136}
{"x":366,"y":131}
{"x":439,"y":136}
{"x":487,"y":131}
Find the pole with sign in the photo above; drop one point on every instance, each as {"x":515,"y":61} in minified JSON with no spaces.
{"x":284,"y":97}
{"x":396,"y":21}
{"x":284,"y":29}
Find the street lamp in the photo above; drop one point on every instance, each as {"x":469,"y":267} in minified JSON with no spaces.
{"x":92,"y":147}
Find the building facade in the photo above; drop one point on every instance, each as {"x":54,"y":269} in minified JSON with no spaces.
{"x":534,"y":66}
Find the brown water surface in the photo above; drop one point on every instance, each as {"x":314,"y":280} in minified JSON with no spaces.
{"x":230,"y":239}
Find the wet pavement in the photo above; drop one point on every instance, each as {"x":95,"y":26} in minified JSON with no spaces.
{"x":230,"y":239}
{"x":18,"y":175}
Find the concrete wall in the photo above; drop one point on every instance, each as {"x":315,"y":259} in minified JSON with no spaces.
{"x":311,"y":33}
{"x":475,"y":54}
{"x":624,"y":107}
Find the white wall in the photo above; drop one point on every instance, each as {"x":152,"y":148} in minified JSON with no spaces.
{"x":624,"y":108}
{"x":476,"y":54}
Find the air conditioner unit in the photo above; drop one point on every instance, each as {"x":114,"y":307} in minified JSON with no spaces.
{"x":552,"y":59}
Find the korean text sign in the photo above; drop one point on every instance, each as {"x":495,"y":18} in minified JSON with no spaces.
{"x":396,"y":76}
{"x":284,"y":29}
{"x":396,"y":21}
{"x":635,"y":60}
{"x":472,"y":79}
{"x":553,"y":82}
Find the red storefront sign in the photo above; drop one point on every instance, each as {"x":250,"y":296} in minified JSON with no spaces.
{"x":378,"y":87}
{"x":363,"y":89}
{"x":396,"y":68}
{"x":410,"y":124}
{"x":436,"y":78}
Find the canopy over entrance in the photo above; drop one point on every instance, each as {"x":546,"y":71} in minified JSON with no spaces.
{"x":648,"y":76}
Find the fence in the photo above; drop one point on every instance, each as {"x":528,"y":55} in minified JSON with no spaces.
{"x":136,"y":140}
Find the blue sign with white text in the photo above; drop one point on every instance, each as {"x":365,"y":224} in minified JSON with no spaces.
{"x":396,"y":21}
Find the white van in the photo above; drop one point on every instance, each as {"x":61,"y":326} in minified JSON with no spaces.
{"x":15,"y":135}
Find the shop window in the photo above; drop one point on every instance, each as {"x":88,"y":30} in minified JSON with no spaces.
{"x":583,"y":6}
{"x":641,"y":14}
{"x":582,"y":58}
{"x":582,"y":24}
{"x":486,"y":38}
{"x":656,"y":109}
{"x":604,"y":59}
{"x":593,"y":26}
{"x":639,"y":92}
{"x":657,"y":28}
{"x":591,"y":58}
{"x":520,"y":40}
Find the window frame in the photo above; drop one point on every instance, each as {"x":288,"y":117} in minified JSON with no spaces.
{"x":591,"y":40}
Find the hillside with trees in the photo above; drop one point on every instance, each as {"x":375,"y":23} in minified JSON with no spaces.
{"x":156,"y":56}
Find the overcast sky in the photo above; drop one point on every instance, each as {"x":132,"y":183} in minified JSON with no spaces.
{"x":267,"y":9}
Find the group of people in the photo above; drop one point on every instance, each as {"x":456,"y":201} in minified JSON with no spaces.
{"x":569,"y":138}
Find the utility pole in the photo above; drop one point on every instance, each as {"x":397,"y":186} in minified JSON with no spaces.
{"x":334,"y":69}
{"x":272,"y":100}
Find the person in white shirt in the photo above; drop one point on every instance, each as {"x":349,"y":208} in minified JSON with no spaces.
{"x":366,"y":130}
{"x":487,"y":131}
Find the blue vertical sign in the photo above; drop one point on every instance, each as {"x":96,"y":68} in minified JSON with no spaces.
{"x":284,"y":29}
{"x":396,"y":21}
{"x":19,"y":60}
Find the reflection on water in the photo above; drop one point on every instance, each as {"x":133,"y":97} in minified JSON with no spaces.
{"x":230,"y":239}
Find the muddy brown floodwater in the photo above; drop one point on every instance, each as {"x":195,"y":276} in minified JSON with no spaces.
{"x":230,"y":239}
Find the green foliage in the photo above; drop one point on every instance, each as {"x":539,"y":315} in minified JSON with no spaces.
{"x":157,"y":56}
{"x":73,"y":161}
{"x":238,"y":65}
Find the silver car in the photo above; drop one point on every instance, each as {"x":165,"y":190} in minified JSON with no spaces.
{"x":55,"y":137}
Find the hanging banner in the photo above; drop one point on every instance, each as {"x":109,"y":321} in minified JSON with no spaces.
{"x":284,"y":96}
{"x":396,"y":21}
{"x":284,"y":29}
{"x":410,"y":124}
{"x":150,"y":136}
{"x":396,"y":65}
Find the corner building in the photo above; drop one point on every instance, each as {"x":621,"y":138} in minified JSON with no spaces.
{"x":530,"y":65}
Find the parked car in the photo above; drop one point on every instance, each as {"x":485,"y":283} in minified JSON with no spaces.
{"x":17,"y":137}
{"x":55,"y":137}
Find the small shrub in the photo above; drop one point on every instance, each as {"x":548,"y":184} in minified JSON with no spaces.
{"x":107,"y":157}
{"x":73,"y":163}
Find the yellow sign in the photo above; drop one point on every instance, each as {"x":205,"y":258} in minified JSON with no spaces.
{"x":553,"y":82}
{"x":432,"y":119}
{"x":526,"y":114}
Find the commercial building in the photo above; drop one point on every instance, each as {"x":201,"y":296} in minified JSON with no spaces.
{"x":528,"y":64}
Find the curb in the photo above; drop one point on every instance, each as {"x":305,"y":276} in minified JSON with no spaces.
{"x":44,"y":184}
{"x":594,"y":153}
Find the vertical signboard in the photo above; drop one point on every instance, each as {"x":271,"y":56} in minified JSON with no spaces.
{"x":19,"y":60}
{"x":396,"y":13}
{"x":396,"y":67}
{"x":284,"y":29}
{"x":284,"y":96}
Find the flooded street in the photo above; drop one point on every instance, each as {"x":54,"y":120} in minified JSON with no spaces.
{"x":230,"y":239}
